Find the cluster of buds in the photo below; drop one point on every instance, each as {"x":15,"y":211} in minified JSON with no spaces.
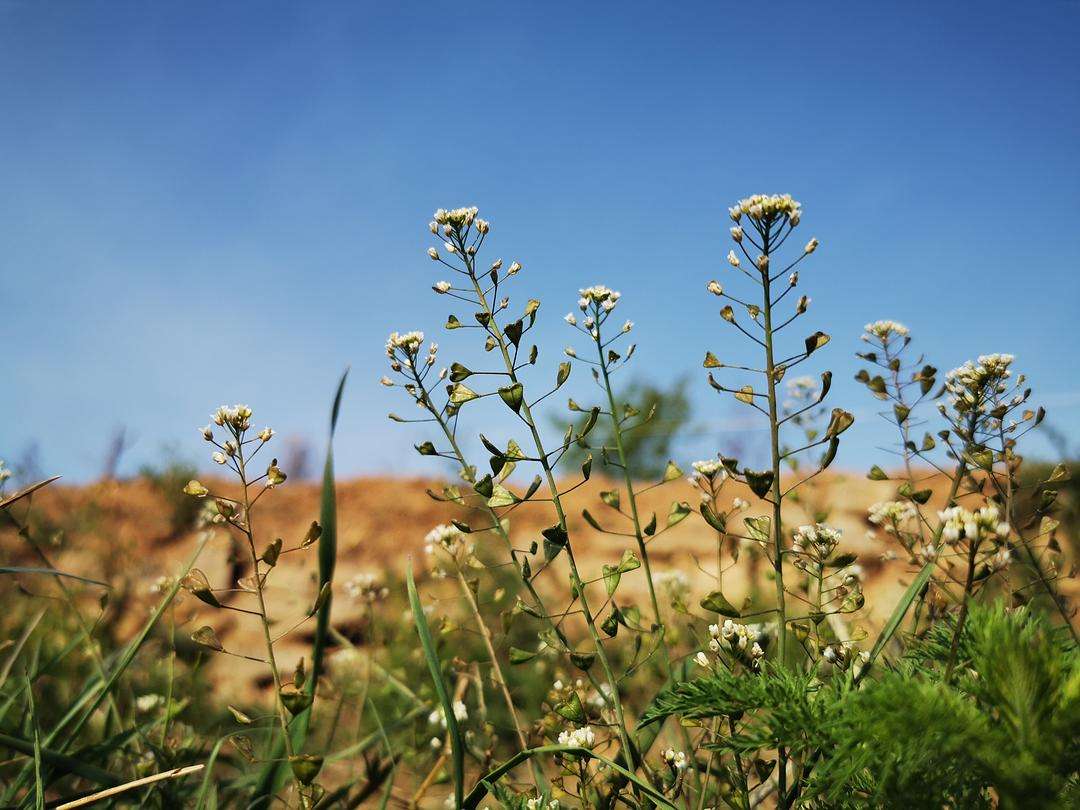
{"x":892,"y":516}
{"x":765,"y":207}
{"x":236,"y":417}
{"x":814,"y":543}
{"x":454,"y":220}
{"x":596,"y":304}
{"x":708,"y":477}
{"x":452,"y":542}
{"x":404,"y":348}
{"x":538,"y":803}
{"x":982,"y":388}
{"x":367,"y":588}
{"x":738,"y":639}
{"x":676,"y":760}
{"x":884,"y":332}
{"x":841,"y":655}
{"x":983,"y":524}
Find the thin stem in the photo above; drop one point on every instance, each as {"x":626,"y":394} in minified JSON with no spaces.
{"x":496,"y":668}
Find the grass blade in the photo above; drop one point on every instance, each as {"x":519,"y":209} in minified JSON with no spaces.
{"x":25,"y":491}
{"x":274,"y":775}
{"x":897,"y":617}
{"x":7,"y":569}
{"x":432,"y":657}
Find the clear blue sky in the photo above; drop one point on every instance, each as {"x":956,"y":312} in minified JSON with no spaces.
{"x":217,"y":202}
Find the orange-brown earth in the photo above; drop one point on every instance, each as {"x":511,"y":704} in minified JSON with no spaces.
{"x":120,"y":531}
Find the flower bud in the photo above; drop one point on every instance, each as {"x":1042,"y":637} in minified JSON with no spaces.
{"x":737,"y":233}
{"x":762,"y":262}
{"x":715,"y":288}
{"x":811,"y":246}
{"x":433,"y":253}
{"x":733,"y":260}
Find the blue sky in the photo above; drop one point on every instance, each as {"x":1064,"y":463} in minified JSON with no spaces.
{"x":207,"y":203}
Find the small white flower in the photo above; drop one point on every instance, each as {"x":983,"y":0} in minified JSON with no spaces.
{"x":583,"y":737}
{"x":715,"y":288}
{"x":570,"y":319}
{"x":442,"y":287}
{"x":433,"y":253}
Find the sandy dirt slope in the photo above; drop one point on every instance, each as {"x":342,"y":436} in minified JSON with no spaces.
{"x":121,"y":532}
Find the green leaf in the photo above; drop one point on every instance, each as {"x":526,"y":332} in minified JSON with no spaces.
{"x":717,"y":521}
{"x":671,"y":472}
{"x":520,"y":656}
{"x":435,"y":668}
{"x":759,"y":482}
{"x":678,"y":513}
{"x":759,"y":528}
{"x":459,"y":373}
{"x":718,"y":603}
{"x":877,"y":474}
{"x":206,"y":637}
{"x":611,"y":498}
{"x":513,"y":395}
{"x":501,"y":496}
{"x":461,"y":393}
{"x":571,"y":709}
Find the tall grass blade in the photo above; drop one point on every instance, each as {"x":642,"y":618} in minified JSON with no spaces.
{"x":901,"y":609}
{"x":432,"y":657}
{"x":25,"y":491}
{"x":275,"y":774}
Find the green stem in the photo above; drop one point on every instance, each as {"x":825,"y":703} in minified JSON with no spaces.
{"x":576,"y":582}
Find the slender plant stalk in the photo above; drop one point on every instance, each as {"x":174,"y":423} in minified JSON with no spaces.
{"x":576,"y":582}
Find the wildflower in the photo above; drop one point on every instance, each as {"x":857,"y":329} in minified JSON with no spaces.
{"x":715,"y":288}
{"x":384,"y":380}
{"x":570,"y":319}
{"x":973,"y":385}
{"x":626,"y":327}
{"x":569,"y":351}
{"x":514,"y":269}
{"x":982,"y":524}
{"x":433,"y":253}
{"x":811,"y":246}
{"x":816,"y":541}
{"x":601,"y":296}
{"x":144,"y":704}
{"x":438,"y":716}
{"x":708,"y":468}
{"x":219,"y":458}
{"x":441,"y":287}
{"x":207,"y":433}
{"x":675,"y":583}
{"x":366,"y":587}
{"x":237,"y":417}
{"x":701,"y":659}
{"x":676,"y":759}
{"x":769,"y":207}
{"x":739,"y":505}
{"x":891,"y":514}
{"x":583,"y":737}
{"x":884,"y":330}
{"x":266,"y":434}
{"x":763,"y":262}
{"x":733,"y":260}
{"x":409,"y":343}
{"x":737,"y":233}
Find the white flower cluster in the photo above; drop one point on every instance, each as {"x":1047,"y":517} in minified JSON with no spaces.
{"x":891,"y":515}
{"x":816,"y":541}
{"x":982,"y":524}
{"x":738,"y":638}
{"x":236,"y":416}
{"x":766,"y":206}
{"x":438,"y":716}
{"x":600,"y":295}
{"x":582,"y":737}
{"x":709,"y":467}
{"x":674,"y":583}
{"x":676,"y":759}
{"x":454,"y":219}
{"x":144,"y":704}
{"x":366,"y":587}
{"x":448,"y":538}
{"x":538,"y":803}
{"x":973,"y":385}
{"x":409,"y":343}
{"x":884,"y":331}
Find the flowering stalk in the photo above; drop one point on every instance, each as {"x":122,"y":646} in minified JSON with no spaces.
{"x":576,"y":583}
